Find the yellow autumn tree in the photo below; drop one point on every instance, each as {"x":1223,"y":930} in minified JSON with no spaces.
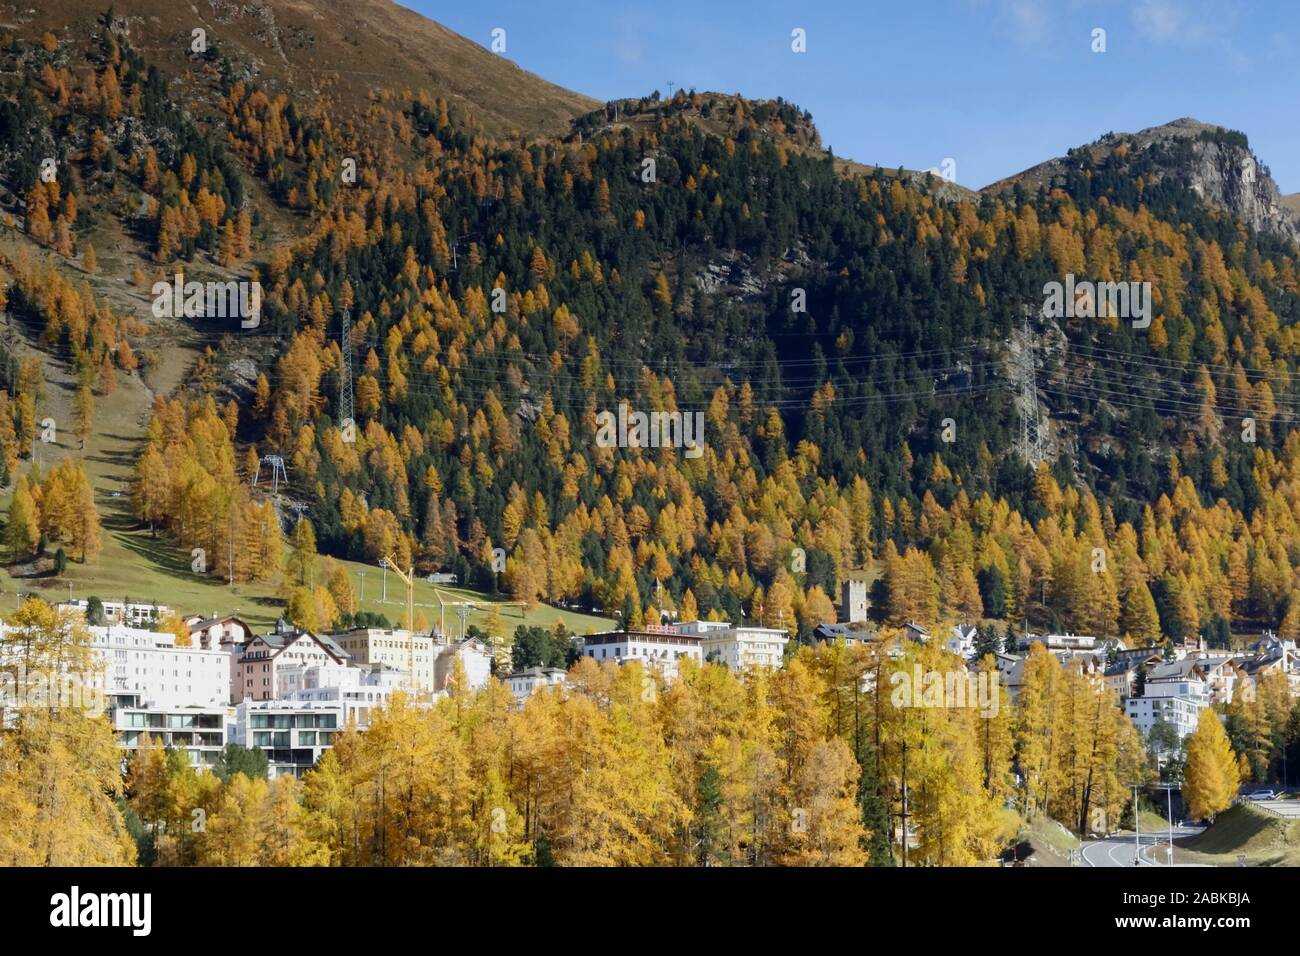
{"x":1211,"y":779}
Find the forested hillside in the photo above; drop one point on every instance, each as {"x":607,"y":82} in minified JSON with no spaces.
{"x":461,"y":271}
{"x":857,"y":341}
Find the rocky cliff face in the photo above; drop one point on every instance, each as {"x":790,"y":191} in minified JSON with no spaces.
{"x":1227,"y":173}
{"x":1215,"y":163}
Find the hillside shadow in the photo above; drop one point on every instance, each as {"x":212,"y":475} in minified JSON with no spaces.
{"x":169,"y":561}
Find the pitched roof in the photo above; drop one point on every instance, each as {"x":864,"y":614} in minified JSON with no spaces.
{"x":828,"y":631}
{"x":537,"y":671}
{"x":331,"y":645}
{"x":209,"y":621}
{"x":1216,"y":661}
{"x":1252,"y":665}
{"x":1126,"y":663}
{"x":280,"y":640}
{"x":1176,"y":670}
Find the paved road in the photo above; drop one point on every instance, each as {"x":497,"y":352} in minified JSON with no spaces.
{"x":1119,"y":849}
{"x":1283,"y":808}
{"x":1115,"y":850}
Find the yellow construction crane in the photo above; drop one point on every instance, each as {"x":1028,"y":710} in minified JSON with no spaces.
{"x":408,"y":578}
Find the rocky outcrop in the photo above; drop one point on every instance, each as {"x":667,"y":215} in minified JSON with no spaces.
{"x":1224,"y":171}
{"x":1214,"y":163}
{"x":1233,"y":178}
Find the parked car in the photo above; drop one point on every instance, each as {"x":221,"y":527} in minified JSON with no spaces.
{"x":1263,"y":795}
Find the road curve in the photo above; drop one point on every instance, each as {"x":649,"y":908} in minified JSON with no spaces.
{"x":1119,"y":849}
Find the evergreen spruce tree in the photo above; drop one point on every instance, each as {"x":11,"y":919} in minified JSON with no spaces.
{"x":710,"y":844}
{"x":987,"y":641}
{"x":872,"y":807}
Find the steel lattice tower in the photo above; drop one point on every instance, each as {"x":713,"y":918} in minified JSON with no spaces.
{"x":345,"y":374}
{"x":1031,"y":434}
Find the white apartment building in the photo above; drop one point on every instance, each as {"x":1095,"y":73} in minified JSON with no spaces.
{"x":1069,"y":643}
{"x":314,"y":672}
{"x":124,"y":612}
{"x":960,"y":640}
{"x":1223,"y":674}
{"x":297,"y":728}
{"x":199,"y":731}
{"x":258,"y":665}
{"x":1121,"y":676}
{"x":1175,"y":692}
{"x":1270,"y":655}
{"x":474,"y":656}
{"x":698,"y":628}
{"x":294,"y":733}
{"x":738,"y":647}
{"x":357,"y":691}
{"x":392,"y":647}
{"x":660,"y":647}
{"x":523,"y":684}
{"x":218,"y":633}
{"x":149,"y":664}
{"x":355,"y":704}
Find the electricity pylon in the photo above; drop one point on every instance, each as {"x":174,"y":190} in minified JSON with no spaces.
{"x":345,"y":374}
{"x":1031,"y":433}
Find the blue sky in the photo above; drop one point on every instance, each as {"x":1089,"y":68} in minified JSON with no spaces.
{"x":996,"y":85}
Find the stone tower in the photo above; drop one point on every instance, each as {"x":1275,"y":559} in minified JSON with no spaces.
{"x":853,"y":600}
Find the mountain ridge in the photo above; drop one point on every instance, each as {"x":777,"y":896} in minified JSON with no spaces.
{"x":282,"y":44}
{"x":300,"y":47}
{"x":837,"y":322}
{"x":1216,"y":162}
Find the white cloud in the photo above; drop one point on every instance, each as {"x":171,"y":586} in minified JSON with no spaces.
{"x":627,"y":43}
{"x":1028,"y":19}
{"x":1170,"y":21}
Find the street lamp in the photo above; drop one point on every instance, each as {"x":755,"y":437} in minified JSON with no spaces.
{"x":1137,"y":829}
{"x":1168,"y":787}
{"x":1169,"y":797}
